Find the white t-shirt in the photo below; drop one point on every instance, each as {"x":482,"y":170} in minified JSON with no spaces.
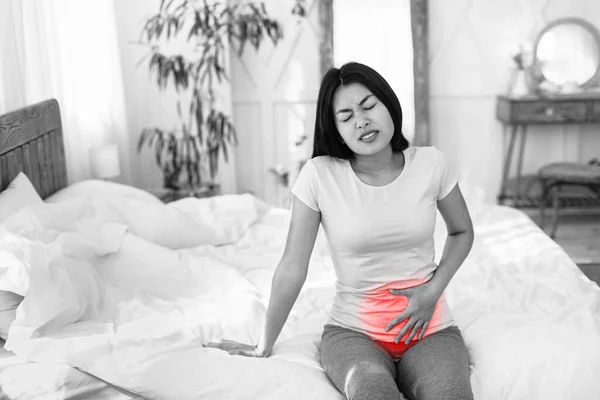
{"x":380,"y":237}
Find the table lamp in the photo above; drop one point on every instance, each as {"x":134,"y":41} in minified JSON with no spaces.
{"x":105,"y":161}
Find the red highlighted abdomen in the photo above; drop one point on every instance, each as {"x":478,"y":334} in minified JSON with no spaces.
{"x":379,"y":308}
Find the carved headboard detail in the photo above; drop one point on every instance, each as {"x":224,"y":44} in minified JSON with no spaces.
{"x":31,"y":141}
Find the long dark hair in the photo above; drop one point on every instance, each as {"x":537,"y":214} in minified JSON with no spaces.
{"x":327,"y":139}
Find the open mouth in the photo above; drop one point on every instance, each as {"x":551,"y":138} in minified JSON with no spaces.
{"x":368,"y":136}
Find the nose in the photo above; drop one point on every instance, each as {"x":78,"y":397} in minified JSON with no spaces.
{"x":361,"y":122}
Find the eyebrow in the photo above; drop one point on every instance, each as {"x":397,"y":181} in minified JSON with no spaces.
{"x":360,"y":104}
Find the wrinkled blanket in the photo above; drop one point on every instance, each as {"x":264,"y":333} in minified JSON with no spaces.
{"x":114,"y":289}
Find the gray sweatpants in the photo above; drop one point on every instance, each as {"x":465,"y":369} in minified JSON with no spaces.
{"x":435,"y":368}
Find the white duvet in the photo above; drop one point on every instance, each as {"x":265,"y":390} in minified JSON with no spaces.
{"x":129,"y":292}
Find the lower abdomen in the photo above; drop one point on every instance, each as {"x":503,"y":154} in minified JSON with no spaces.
{"x":370,"y":313}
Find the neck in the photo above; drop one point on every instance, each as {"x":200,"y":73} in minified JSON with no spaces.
{"x":373,"y":164}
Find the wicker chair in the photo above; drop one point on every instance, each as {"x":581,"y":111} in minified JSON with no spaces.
{"x":581,"y":180}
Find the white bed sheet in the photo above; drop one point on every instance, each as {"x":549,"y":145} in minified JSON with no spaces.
{"x":530,"y":318}
{"x":24,"y":380}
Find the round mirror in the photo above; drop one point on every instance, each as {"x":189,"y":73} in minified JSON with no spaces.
{"x":567,"y":52}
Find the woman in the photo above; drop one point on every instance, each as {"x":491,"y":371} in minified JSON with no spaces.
{"x":390,"y":332}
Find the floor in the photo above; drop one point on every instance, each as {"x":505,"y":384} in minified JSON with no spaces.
{"x":579,"y":235}
{"x":592,"y":271}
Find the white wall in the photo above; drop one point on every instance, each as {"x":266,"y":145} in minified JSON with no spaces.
{"x":12,"y":94}
{"x":274,"y":100}
{"x":471,"y":45}
{"x":146,"y":105}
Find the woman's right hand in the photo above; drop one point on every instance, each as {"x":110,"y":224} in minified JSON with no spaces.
{"x":238,"y":349}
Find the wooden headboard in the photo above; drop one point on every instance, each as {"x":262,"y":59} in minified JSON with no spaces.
{"x":31,"y":141}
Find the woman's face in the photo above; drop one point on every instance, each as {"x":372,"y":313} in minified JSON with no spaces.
{"x":362,"y":120}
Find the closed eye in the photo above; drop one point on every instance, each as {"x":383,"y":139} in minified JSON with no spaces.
{"x":364,"y":108}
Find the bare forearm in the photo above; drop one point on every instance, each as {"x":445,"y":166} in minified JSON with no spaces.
{"x":456,"y":249}
{"x":285,"y":289}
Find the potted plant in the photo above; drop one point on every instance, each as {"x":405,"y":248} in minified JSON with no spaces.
{"x":188,"y":155}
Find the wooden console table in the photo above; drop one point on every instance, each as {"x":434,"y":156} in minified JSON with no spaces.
{"x":517,"y":114}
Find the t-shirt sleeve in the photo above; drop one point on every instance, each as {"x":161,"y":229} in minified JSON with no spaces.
{"x":306,"y":187}
{"x":447,"y":176}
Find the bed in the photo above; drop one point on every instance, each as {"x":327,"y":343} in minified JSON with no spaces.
{"x":31,"y":142}
{"x":120,"y":292}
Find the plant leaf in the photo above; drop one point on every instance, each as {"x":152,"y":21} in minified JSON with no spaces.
{"x":160,"y":142}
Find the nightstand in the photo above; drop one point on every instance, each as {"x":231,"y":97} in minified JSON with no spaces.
{"x":169,"y":195}
{"x":517,"y":114}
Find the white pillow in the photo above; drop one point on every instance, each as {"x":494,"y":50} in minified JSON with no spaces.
{"x":19,"y":194}
{"x":192,"y":222}
{"x":106,"y":189}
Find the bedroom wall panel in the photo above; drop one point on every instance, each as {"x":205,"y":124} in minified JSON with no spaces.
{"x":272,"y":88}
{"x":247,"y":117}
{"x":145,"y":104}
{"x":589,"y":142}
{"x":471,"y":48}
{"x":280,"y":122}
{"x":292,"y":121}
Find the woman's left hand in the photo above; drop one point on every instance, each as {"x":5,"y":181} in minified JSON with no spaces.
{"x":421,"y":304}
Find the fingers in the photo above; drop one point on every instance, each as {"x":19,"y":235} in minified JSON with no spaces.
{"x":234,"y":348}
{"x":401,"y":292}
{"x":414,"y":331}
{"x":409,"y":324}
{"x":245,"y":353}
{"x":227,"y":343}
{"x":215,"y":345}
{"x":401,"y":317}
{"x":223,"y":345}
{"x":423,"y":329}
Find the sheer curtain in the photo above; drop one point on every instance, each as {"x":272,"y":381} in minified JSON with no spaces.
{"x":68,"y":50}
{"x":378,"y":33}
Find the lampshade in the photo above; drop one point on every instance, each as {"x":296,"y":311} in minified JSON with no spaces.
{"x":104,"y":161}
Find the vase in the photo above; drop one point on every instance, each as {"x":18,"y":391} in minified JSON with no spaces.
{"x":519,"y":87}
